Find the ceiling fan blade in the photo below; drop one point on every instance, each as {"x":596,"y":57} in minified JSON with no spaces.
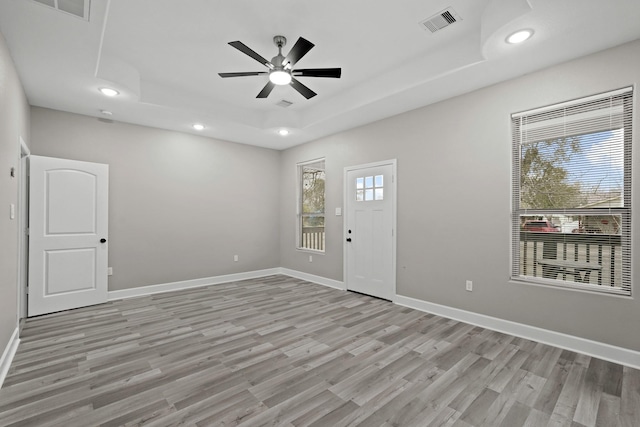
{"x":266,"y":90}
{"x":250,"y":52}
{"x":248,"y":73}
{"x":304,"y":91}
{"x":318,"y":72}
{"x":298,"y":50}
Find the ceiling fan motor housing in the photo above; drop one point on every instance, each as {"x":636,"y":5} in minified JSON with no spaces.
{"x":278,"y":60}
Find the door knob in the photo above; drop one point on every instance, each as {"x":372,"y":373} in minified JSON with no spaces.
{"x":103,"y":240}
{"x":348,"y":239}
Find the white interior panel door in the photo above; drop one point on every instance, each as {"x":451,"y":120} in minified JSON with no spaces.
{"x":369,"y":234}
{"x":68,"y":221}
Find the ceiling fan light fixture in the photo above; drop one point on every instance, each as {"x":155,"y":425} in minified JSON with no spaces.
{"x":280,"y":77}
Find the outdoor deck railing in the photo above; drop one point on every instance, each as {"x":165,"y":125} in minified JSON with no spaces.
{"x":602,"y":249}
{"x":313,"y":238}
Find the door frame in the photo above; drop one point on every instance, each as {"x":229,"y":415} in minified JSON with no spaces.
{"x":23,"y":224}
{"x":394,"y":207}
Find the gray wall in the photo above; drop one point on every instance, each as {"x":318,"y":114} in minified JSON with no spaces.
{"x":454,"y":200}
{"x":180,"y":205}
{"x":14,"y":123}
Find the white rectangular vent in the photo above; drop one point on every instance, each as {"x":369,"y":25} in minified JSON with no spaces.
{"x":79,"y":8}
{"x":441,"y":20}
{"x":284,"y":103}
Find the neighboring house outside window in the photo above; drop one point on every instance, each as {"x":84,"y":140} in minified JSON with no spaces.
{"x":311,"y":209}
{"x":571,"y":222}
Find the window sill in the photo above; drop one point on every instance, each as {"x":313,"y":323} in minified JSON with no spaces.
{"x":311,"y":251}
{"x":562,"y":285}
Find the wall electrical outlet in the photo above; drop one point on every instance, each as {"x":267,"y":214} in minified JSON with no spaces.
{"x":235,"y":258}
{"x":310,"y":258}
{"x":109,"y":271}
{"x":469,"y":285}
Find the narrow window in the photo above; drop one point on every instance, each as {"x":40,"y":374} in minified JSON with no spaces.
{"x":571,"y":222}
{"x":311,"y":207}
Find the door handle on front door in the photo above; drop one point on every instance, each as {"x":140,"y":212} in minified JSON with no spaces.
{"x":348,"y":239}
{"x":103,"y":240}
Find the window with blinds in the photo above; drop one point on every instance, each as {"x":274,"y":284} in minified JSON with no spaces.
{"x":311,"y":181}
{"x":571,"y":221}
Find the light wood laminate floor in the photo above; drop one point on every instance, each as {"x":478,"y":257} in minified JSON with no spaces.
{"x":284,"y":352}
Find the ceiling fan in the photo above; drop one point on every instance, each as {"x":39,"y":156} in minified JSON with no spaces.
{"x":281,"y":70}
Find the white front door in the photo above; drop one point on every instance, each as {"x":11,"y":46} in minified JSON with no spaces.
{"x":68,"y":208}
{"x":370,"y":229}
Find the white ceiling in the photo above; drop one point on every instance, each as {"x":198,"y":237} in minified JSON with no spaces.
{"x":164,"y":55}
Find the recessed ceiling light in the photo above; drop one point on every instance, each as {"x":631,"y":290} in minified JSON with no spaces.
{"x":106,"y":113}
{"x":198,"y":126}
{"x":107,"y":91}
{"x":519,"y":36}
{"x":283,"y":132}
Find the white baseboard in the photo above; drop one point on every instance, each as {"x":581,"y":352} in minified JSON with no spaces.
{"x":187,"y":284}
{"x":600,"y":350}
{"x":313,"y":278}
{"x":216,"y":280}
{"x":7,"y":355}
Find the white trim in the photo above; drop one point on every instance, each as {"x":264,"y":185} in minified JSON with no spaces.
{"x":23,"y":220}
{"x":600,"y":350}
{"x":24,"y":149}
{"x":217,"y":280}
{"x":187,"y":284}
{"x":314,"y":279}
{"x":7,"y":355}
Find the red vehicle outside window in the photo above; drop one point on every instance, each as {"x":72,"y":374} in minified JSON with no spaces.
{"x":541,"y":226}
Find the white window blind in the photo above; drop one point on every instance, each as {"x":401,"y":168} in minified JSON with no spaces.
{"x":572,"y":193}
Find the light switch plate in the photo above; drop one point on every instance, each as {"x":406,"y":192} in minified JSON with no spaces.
{"x":338,"y":211}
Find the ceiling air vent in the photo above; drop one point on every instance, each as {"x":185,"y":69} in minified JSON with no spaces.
{"x":284,"y":103}
{"x":79,"y":8}
{"x":441,"y":20}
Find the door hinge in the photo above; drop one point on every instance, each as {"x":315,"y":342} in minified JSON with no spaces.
{"x":26,"y":231}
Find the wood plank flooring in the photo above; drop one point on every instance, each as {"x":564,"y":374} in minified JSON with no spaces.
{"x":279,"y":351}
